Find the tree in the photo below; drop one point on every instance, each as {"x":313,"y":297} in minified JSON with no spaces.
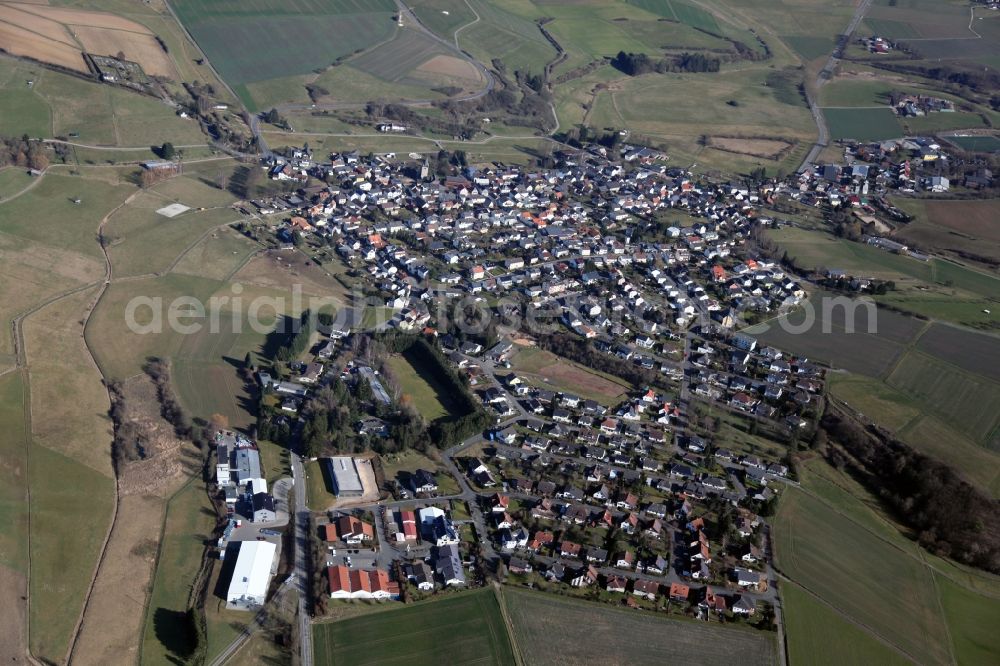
{"x":167,"y":151}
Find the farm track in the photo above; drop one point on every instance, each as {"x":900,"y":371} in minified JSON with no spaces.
{"x":21,"y":364}
{"x":823,"y":131}
{"x":108,"y":276}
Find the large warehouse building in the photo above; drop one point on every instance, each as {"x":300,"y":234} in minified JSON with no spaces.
{"x":344,"y":474}
{"x":251,"y":575}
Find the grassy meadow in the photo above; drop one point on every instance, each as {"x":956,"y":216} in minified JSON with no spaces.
{"x":552,"y":629}
{"x":872,"y":579}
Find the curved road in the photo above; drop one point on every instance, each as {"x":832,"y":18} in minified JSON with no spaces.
{"x":825,"y":74}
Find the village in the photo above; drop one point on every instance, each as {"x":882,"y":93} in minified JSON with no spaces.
{"x":621,"y":264}
{"x":632,"y":497}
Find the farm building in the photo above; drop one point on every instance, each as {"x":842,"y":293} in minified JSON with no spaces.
{"x":361,"y":584}
{"x":251,"y":575}
{"x":344,"y":475}
{"x":263,"y":508}
{"x":247,"y":465}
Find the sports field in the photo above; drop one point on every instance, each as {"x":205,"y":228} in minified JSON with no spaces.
{"x":555,"y":630}
{"x":464,"y":628}
{"x":866,"y":124}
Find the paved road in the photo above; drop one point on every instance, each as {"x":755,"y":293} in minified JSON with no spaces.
{"x":301,"y":573}
{"x":823,"y":138}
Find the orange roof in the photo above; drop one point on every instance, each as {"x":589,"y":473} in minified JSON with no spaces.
{"x":679,"y":590}
{"x":329,"y":532}
{"x":340,"y":579}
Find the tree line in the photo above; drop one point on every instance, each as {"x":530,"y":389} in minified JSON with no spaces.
{"x":23,"y":152}
{"x":581,"y":351}
{"x":949,"y":517}
{"x":636,"y":64}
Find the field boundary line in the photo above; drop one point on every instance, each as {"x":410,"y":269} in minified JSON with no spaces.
{"x":881,"y":518}
{"x":944,"y":615}
{"x":509,"y":625}
{"x":907,"y":348}
{"x":109,"y":272}
{"x":850,"y":619}
{"x":466,"y":25}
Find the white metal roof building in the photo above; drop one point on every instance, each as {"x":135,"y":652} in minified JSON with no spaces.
{"x":251,"y":575}
{"x":344,"y":473}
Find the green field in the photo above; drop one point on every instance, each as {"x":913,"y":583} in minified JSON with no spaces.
{"x":22,"y":111}
{"x":319,"y":488}
{"x":810,"y":47}
{"x":873,"y":578}
{"x":860,"y":575}
{"x":48,"y":214}
{"x":971,"y":403}
{"x":893,"y":29}
{"x":65,"y":495}
{"x":428,"y":394}
{"x":556,"y":630}
{"x":59,"y":104}
{"x":12,"y":181}
{"x":394,"y":60}
{"x":190,"y":520}
{"x":13,"y":479}
{"x":270,"y":40}
{"x":809,"y":623}
{"x":463,"y":628}
{"x":913,"y":421}
{"x":942,"y":122}
{"x":547,"y":370}
{"x":873,"y":124}
{"x":972,"y":619}
{"x":970,"y":351}
{"x":984,"y":143}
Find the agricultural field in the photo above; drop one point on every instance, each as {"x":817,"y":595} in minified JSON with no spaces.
{"x":862,"y":124}
{"x":62,"y":554}
{"x":461,"y":628}
{"x":860,"y":575}
{"x":555,"y":630}
{"x":969,"y":402}
{"x":908,"y":419}
{"x":954,"y":226}
{"x":57,"y":104}
{"x":13,"y":515}
{"x":547,"y":370}
{"x":871,"y":588}
{"x":273,"y":40}
{"x":937,"y":288}
{"x":415,"y":59}
{"x":810,"y":622}
{"x":940,"y":31}
{"x":986,"y":143}
{"x":22,"y":110}
{"x":972,"y":352}
{"x":420,"y":388}
{"x":60,"y":35}
{"x":190,"y":519}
